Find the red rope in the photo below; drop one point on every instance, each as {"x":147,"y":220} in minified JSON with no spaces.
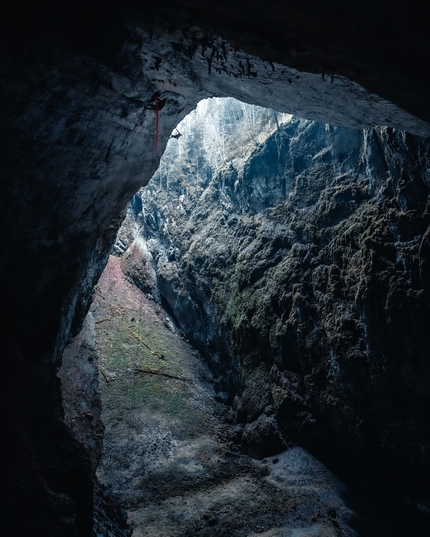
{"x":157,"y":120}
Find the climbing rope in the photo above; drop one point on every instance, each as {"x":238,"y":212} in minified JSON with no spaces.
{"x":157,"y":123}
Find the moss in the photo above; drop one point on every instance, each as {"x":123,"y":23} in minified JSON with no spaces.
{"x":278,"y":396}
{"x":228,"y":295}
{"x":129,"y":339}
{"x":167,"y":396}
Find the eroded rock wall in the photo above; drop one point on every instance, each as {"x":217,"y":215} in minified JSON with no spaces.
{"x":79,"y":137}
{"x":310,"y":255}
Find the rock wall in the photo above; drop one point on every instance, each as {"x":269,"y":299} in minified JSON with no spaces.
{"x":80,"y":391}
{"x":301,"y":271}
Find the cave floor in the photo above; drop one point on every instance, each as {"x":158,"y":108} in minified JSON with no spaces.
{"x":168,"y":453}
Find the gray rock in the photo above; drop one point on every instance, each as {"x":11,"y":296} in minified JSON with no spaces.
{"x":262,"y":438}
{"x":297,"y":274}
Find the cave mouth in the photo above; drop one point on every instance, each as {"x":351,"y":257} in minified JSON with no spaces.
{"x":176,"y":238}
{"x":210,"y":146}
{"x":160,"y":398}
{"x":77,"y":141}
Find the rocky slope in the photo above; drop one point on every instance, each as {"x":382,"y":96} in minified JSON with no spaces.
{"x":301,"y":271}
{"x":170,"y":456}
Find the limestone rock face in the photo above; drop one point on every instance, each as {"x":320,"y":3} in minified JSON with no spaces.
{"x":300,"y":270}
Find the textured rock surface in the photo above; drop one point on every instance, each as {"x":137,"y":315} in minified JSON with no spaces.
{"x":82,"y":125}
{"x":80,"y":391}
{"x":169,"y":455}
{"x":78,"y":81}
{"x":311,"y":255}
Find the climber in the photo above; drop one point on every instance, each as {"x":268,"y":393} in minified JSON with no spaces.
{"x":176,"y":135}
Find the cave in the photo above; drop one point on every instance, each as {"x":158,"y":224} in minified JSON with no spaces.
{"x":91,"y":92}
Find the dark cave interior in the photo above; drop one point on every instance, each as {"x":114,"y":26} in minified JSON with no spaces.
{"x":77,"y":108}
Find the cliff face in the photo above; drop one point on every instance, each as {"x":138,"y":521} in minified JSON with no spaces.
{"x":300,"y":268}
{"x":81,"y":83}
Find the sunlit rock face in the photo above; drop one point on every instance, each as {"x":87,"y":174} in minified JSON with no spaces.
{"x":83,"y":127}
{"x":220,"y":133}
{"x":80,"y":87}
{"x":298,"y":263}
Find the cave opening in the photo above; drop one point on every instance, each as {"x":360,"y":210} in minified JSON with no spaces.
{"x":77,"y":106}
{"x":288,"y":193}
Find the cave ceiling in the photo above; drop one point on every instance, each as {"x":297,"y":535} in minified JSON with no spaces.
{"x":381,"y":45}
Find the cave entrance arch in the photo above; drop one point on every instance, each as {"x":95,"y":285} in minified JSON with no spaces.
{"x":228,"y":151}
{"x":347,"y":194}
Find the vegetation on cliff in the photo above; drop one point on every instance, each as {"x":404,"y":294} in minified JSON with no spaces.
{"x":304,"y":262}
